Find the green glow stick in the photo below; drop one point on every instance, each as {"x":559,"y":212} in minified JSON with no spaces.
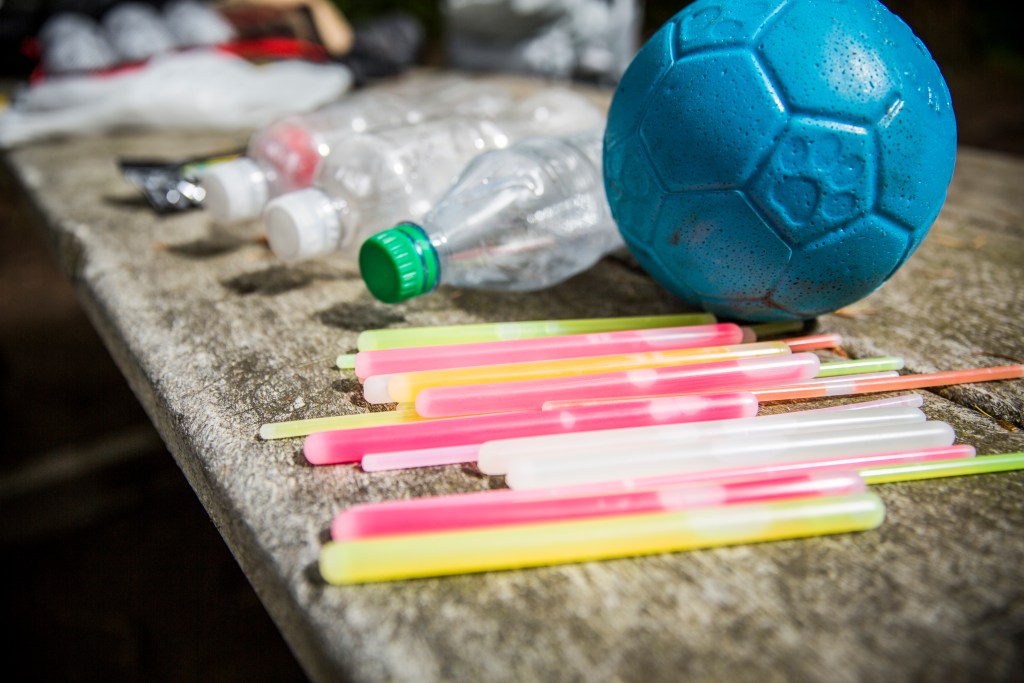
{"x":372,"y":340}
{"x":346,"y":361}
{"x":935,"y":469}
{"x":852,"y":366}
{"x":290,"y":428}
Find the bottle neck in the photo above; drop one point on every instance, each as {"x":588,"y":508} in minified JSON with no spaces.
{"x":346,"y":218}
{"x":435,"y":243}
{"x":430,"y":248}
{"x":400,"y":263}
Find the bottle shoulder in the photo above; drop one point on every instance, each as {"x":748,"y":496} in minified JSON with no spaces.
{"x":571,"y":163}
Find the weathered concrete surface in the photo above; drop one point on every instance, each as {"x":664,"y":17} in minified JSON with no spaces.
{"x":217,"y":337}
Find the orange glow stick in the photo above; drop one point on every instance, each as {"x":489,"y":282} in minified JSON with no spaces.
{"x":837,"y":387}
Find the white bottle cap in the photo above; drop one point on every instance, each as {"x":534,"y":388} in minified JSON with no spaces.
{"x":302,"y":225}
{"x":236,"y":190}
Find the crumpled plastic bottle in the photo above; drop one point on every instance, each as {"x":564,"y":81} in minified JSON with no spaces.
{"x":518,"y":219}
{"x":284,"y":156}
{"x":397,"y":174}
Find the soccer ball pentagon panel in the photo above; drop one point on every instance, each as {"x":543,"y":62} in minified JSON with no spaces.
{"x":778,"y":159}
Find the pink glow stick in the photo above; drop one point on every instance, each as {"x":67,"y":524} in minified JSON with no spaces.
{"x":823,"y":383}
{"x":327,"y":448}
{"x":853,"y":385}
{"x":416,"y":359}
{"x":366,"y":521}
{"x":406,"y":385}
{"x":732,"y":375}
{"x":463,"y":503}
{"x":447,"y":356}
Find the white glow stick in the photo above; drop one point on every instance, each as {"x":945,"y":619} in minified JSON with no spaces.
{"x":540,"y":472}
{"x":495,"y":457}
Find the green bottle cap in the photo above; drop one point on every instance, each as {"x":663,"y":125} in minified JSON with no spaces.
{"x":399,"y":263}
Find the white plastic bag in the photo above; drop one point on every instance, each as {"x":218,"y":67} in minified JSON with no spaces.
{"x":585,"y":39}
{"x":193,"y":90}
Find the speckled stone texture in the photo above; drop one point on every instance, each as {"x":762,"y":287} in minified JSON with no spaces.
{"x":217,"y":337}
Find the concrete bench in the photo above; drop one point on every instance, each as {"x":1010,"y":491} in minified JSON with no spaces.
{"x":217,"y":337}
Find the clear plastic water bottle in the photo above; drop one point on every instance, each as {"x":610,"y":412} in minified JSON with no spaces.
{"x":284,"y":156}
{"x":518,"y":219}
{"x":397,"y":174}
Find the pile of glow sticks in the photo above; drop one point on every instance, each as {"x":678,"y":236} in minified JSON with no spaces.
{"x":620,"y":437}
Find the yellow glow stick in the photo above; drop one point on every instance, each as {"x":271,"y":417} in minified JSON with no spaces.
{"x":404,"y":386}
{"x":291,"y":428}
{"x":530,"y":545}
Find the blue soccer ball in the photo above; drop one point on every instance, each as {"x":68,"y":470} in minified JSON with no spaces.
{"x":778,"y":159}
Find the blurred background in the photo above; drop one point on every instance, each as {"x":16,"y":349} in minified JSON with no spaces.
{"x":84,"y":479}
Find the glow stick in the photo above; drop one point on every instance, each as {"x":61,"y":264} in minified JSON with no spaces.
{"x":573,"y":468}
{"x":463,"y":503}
{"x":366,"y":521}
{"x":529,"y":545}
{"x":730,"y":375}
{"x":327,"y":448}
{"x":820,"y":382}
{"x":849,"y":366}
{"x":910,"y":400}
{"x":855,"y":386}
{"x":480,"y":332}
{"x":350,"y":361}
{"x":496,"y":456}
{"x":291,"y":428}
{"x":421,"y":358}
{"x":913,"y":400}
{"x":419,"y":457}
{"x":449,"y":455}
{"x":985,"y":464}
{"x":859,"y":463}
{"x":817,"y":341}
{"x":507,"y":506}
{"x":407,"y":385}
